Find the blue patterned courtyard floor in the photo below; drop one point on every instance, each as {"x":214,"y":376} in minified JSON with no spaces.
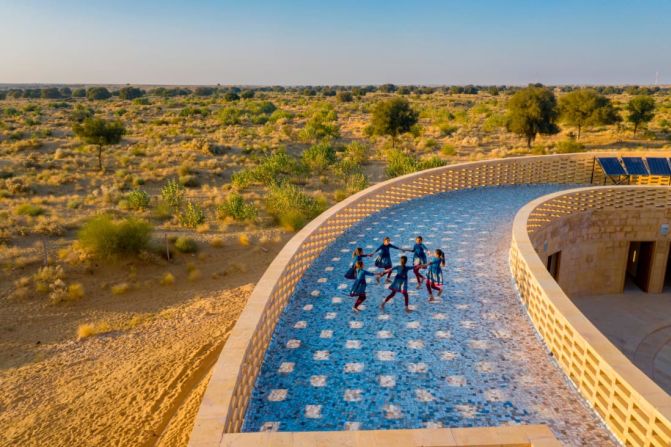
{"x":472,"y":359}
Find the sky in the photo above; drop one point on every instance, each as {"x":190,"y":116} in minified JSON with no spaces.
{"x":346,"y":42}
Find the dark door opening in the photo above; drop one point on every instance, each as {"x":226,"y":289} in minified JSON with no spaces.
{"x":667,"y":274}
{"x":639,"y":263}
{"x":553,"y":264}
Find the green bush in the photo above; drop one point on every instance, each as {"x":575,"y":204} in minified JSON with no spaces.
{"x":273,"y":168}
{"x":236,"y":208}
{"x":319,"y":156}
{"x":107,"y":238}
{"x":357,"y":152}
{"x":192,"y":215}
{"x":189,"y":181}
{"x":185,"y":244}
{"x":28,"y":209}
{"x":399,"y":164}
{"x":172,"y":194}
{"x":137,"y":200}
{"x":448,"y":150}
{"x":356,"y":182}
{"x":569,"y":147}
{"x":291,"y":207}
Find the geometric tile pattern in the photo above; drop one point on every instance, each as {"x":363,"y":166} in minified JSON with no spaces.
{"x":471,"y":359}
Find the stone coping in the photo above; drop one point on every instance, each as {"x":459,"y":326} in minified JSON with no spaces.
{"x":642,"y":413}
{"x":504,"y":436}
{"x":238,"y":360}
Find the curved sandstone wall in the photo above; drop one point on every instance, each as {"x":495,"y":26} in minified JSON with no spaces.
{"x":634,"y":407}
{"x":225,"y":401}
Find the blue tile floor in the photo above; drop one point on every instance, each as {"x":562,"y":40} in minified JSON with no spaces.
{"x":472,"y":359}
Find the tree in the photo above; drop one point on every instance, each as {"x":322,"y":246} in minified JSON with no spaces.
{"x":79,"y":93}
{"x":641,"y":110}
{"x":130,"y":93}
{"x":99,"y":132}
{"x":50,"y":93}
{"x":247,"y":94}
{"x":231,"y":96}
{"x":393,"y":117}
{"x":531,"y":111}
{"x":98,"y":93}
{"x":344,"y":96}
{"x":585,"y":107}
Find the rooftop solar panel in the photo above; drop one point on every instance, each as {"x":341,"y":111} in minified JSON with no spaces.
{"x":611,"y":166}
{"x":635,"y":166}
{"x":659,"y":166}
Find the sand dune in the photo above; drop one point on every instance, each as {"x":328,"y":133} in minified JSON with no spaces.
{"x":140,"y":387}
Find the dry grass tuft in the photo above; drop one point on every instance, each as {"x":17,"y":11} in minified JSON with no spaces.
{"x":89,"y":329}
{"x":120,"y":289}
{"x":168,"y":279}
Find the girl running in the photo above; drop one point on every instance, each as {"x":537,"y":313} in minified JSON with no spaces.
{"x":400,"y":283}
{"x":359,"y":286}
{"x":383,"y":260}
{"x":358,"y":255}
{"x":419,"y":257}
{"x":434,"y":275}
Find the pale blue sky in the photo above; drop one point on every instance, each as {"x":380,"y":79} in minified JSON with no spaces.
{"x":335,"y":42}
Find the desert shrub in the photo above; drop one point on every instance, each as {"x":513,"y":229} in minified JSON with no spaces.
{"x":319,"y":156}
{"x":399,"y":164}
{"x":357,"y":152}
{"x":47,"y":276}
{"x":291,"y":207}
{"x":568,"y":147}
{"x":94,"y":93}
{"x":448,"y":150}
{"x":28,"y":209}
{"x":271,"y":169}
{"x":172,"y":194}
{"x":106,"y":238}
{"x":230,"y":116}
{"x":231,"y":96}
{"x":138,"y":199}
{"x":75,"y":291}
{"x":185,"y":244}
{"x":344,"y":96}
{"x":247,"y":94}
{"x":130,"y":93}
{"x":321,"y":125}
{"x":89,"y":329}
{"x":192,"y":215}
{"x":168,"y":279}
{"x":120,"y":289}
{"x":189,"y":181}
{"x":235,"y":207}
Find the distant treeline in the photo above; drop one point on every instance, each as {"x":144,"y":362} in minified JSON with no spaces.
{"x":344,"y":92}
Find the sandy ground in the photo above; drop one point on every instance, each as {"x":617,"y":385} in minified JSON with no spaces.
{"x":136,"y":386}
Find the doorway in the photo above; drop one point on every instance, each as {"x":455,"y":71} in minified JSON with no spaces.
{"x":639,"y":263}
{"x":553,"y":264}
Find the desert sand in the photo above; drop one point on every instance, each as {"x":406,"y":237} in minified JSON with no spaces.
{"x":138,"y":385}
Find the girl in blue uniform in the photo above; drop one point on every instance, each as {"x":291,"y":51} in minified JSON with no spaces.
{"x":357,"y":255}
{"x":434,"y":275}
{"x":400,"y":283}
{"x":383,"y":260}
{"x":418,"y":258}
{"x":359,"y":287}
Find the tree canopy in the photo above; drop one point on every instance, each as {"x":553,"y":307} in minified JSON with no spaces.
{"x":98,"y":93}
{"x":585,"y":107}
{"x":641,"y":110}
{"x":531,"y":111}
{"x":393,"y":117}
{"x":130,"y":93}
{"x":99,"y":132}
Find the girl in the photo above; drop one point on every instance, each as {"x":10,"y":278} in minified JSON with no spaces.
{"x":419,"y":257}
{"x":359,"y":286}
{"x":400,"y":283}
{"x":358,"y":255}
{"x":383,"y":260}
{"x":434,"y":276}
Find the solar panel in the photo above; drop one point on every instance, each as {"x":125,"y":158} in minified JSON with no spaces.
{"x":635,"y":166}
{"x":659,"y":166}
{"x":611,"y":166}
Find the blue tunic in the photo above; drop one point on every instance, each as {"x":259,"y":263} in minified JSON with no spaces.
{"x":351,"y":272}
{"x":400,"y":283}
{"x":419,"y":253}
{"x":359,"y":285}
{"x":435,"y":273}
{"x":383,"y":260}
